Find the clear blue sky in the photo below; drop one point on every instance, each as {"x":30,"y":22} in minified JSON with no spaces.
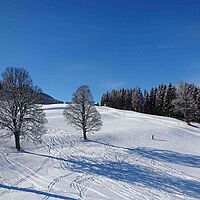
{"x":105,"y":44}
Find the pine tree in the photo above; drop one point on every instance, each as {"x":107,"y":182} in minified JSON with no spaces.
{"x":159,"y":101}
{"x":113,"y":98}
{"x":120,"y":99}
{"x":170,"y":95}
{"x":104,"y":99}
{"x":137,"y":100}
{"x":152,"y":100}
{"x":146,"y":103}
{"x":128,"y":98}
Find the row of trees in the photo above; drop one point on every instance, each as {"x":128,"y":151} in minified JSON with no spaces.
{"x":182,"y":101}
{"x":22,"y":117}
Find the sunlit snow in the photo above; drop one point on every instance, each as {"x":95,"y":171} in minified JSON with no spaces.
{"x":119,"y":162}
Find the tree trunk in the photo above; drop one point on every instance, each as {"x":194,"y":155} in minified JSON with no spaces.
{"x":187,"y":118}
{"x":84,"y":134}
{"x":187,"y":121}
{"x":17,"y":141}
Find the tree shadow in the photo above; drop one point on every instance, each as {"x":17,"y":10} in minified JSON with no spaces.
{"x":161,"y":155}
{"x":46,"y":156}
{"x":160,"y":140}
{"x":169,"y":156}
{"x":107,"y":144}
{"x":29,"y":190}
{"x":192,"y":125}
{"x":129,"y":173}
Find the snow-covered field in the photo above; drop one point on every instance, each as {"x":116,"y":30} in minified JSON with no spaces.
{"x":119,"y":162}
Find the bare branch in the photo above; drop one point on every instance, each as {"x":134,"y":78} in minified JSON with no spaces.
{"x":82,"y":113}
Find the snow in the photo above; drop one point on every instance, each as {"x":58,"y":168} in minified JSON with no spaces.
{"x":119,"y":162}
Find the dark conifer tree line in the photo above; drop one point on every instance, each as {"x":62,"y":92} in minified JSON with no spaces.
{"x":182,"y":101}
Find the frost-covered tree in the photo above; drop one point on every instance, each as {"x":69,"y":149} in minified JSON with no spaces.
{"x":19,"y":112}
{"x":137,"y":100}
{"x":120,"y":96}
{"x":113,"y":98}
{"x":158,"y":101}
{"x":104,"y":99}
{"x":185,"y":102}
{"x":81,"y":113}
{"x":170,"y":95}
{"x":128,"y":100}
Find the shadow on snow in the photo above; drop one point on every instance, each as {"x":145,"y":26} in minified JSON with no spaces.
{"x":162,"y":155}
{"x":122,"y":171}
{"x":29,"y":190}
{"x":129,"y":173}
{"x":169,"y":156}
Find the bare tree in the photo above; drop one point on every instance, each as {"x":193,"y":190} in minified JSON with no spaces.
{"x":19,"y":112}
{"x":185,"y":102}
{"x":81,"y":113}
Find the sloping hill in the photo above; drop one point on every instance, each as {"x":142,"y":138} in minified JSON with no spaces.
{"x":47,"y":99}
{"x":119,"y":162}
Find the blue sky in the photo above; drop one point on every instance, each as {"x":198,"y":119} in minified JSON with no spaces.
{"x":105,"y":44}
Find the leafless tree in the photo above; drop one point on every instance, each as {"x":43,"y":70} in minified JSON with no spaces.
{"x":19,"y":112}
{"x":185,"y":102}
{"x":82,"y":113}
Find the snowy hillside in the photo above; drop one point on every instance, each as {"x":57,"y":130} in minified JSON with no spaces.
{"x":119,"y":162}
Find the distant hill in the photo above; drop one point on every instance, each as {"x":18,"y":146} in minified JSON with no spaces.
{"x":47,"y":99}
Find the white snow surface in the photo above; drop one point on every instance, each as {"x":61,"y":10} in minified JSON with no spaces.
{"x":119,"y":162}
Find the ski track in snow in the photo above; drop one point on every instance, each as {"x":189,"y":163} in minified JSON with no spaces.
{"x":28,"y":175}
{"x":63,"y":151}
